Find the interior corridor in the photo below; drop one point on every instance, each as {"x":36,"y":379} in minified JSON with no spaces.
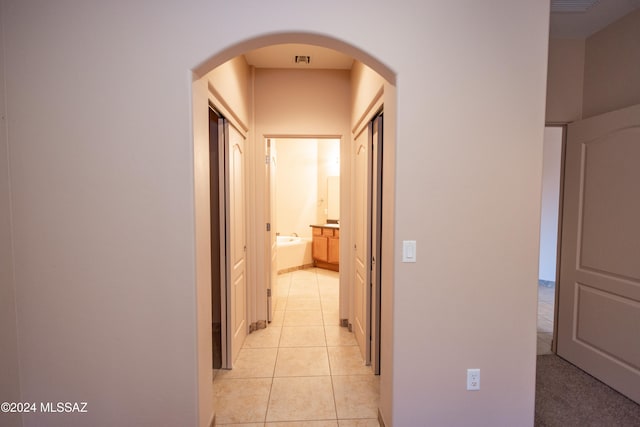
{"x":303,"y":369}
{"x":546,"y":301}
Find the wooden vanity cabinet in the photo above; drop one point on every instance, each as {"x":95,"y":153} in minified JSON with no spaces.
{"x":325,"y":247}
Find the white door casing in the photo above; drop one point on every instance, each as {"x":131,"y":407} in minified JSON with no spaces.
{"x":270,"y":209}
{"x":599,"y":288}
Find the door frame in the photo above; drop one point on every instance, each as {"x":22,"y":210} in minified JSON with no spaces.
{"x":226,"y":119}
{"x":375,"y":238}
{"x":273,"y":137}
{"x":554,"y":339}
{"x":373,"y":302}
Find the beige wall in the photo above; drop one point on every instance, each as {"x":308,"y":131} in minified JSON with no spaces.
{"x":296,"y":186}
{"x":9,"y":365}
{"x":612,"y":67}
{"x":304,"y":103}
{"x":301,"y":102}
{"x":303,"y":166}
{"x":468,"y":191}
{"x":328,"y":165}
{"x":565,"y":80}
{"x":101,"y":153}
{"x":596,"y":75}
{"x":100,"y":149}
{"x":230,"y":90}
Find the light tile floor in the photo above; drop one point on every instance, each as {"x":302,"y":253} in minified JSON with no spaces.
{"x":546,"y":299}
{"x":304,"y":369}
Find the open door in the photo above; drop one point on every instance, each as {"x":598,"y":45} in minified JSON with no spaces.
{"x":270,"y":209}
{"x":599,"y":294}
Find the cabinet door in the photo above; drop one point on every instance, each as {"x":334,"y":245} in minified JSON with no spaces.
{"x":320,"y":248}
{"x":334,"y":251}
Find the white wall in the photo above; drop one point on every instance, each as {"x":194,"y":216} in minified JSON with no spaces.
{"x":9,"y":365}
{"x":101,"y":154}
{"x":100,"y":149}
{"x":565,"y":80}
{"x":612,"y":66}
{"x":551,"y":164}
{"x":469,"y":193}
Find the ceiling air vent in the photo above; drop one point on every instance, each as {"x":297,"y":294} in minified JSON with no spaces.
{"x":302,"y":59}
{"x":572,"y":6}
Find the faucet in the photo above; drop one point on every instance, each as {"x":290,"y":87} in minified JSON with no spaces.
{"x":295,"y":234}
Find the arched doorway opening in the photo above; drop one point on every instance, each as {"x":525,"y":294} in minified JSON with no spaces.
{"x":231,"y":87}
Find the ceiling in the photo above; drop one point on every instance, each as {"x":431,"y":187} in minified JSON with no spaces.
{"x":580,"y":25}
{"x":576,"y":25}
{"x":283,"y":56}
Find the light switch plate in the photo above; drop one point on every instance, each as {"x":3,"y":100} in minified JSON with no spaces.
{"x":408,"y":251}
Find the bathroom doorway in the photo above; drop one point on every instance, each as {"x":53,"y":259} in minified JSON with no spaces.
{"x":304,"y":189}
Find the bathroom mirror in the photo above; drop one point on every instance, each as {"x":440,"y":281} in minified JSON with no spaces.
{"x":333,"y":198}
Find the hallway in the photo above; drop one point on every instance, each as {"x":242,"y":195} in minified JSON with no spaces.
{"x":303,"y":369}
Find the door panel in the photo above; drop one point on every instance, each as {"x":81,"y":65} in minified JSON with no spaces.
{"x":360,"y":322}
{"x":320,"y":248}
{"x":599,"y":294}
{"x":236,"y":241}
{"x":333,"y":251}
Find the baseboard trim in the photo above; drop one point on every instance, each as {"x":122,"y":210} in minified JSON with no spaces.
{"x":296,"y":268}
{"x":380,"y":420}
{"x":260,"y":324}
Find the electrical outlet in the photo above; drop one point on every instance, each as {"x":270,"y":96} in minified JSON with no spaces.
{"x":473,"y":379}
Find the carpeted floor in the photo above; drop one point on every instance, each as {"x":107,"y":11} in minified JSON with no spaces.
{"x":567,"y":396}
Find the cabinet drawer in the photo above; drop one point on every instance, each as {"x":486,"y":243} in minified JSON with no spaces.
{"x":317,"y":231}
{"x":327,"y":232}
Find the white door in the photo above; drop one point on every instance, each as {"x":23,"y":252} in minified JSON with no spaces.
{"x":236,"y":243}
{"x":361,"y":325}
{"x":599,"y":294}
{"x":270,"y":208}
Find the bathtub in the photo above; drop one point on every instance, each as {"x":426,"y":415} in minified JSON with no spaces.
{"x":293,"y":253}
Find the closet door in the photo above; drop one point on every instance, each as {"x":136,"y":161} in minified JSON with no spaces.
{"x":361,"y":289}
{"x":236,"y":241}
